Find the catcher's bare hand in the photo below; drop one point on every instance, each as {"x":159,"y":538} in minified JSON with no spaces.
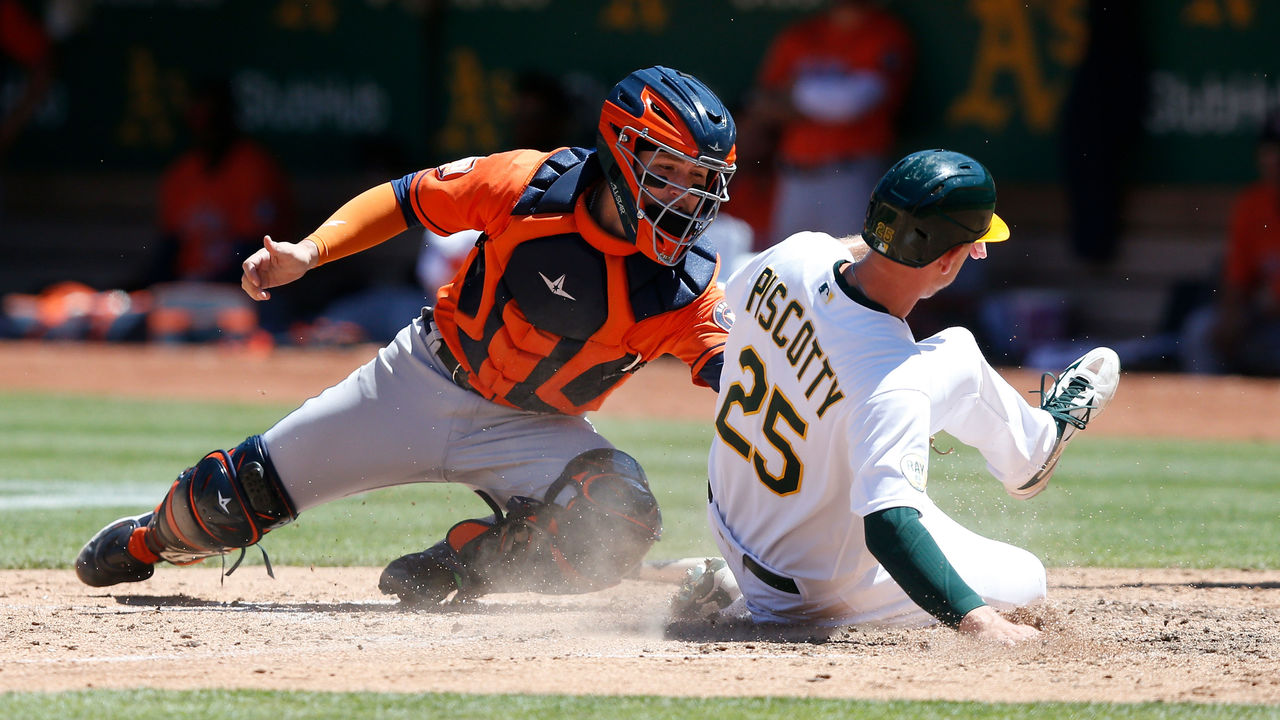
{"x":276,"y":264}
{"x":985,"y":623}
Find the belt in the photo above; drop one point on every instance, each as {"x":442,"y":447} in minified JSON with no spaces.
{"x":766,"y":576}
{"x":438,"y":347}
{"x":772,"y":579}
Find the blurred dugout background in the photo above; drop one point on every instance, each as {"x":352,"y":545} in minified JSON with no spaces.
{"x":349,"y":93}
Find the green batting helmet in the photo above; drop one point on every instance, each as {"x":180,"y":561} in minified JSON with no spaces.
{"x":928,"y":203}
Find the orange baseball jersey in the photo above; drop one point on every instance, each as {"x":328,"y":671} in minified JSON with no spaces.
{"x":550,"y":312}
{"x":815,"y":45}
{"x":1253,"y":249}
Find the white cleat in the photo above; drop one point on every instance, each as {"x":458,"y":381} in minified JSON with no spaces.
{"x":1075,"y":398}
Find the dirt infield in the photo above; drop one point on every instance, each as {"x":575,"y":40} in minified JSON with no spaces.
{"x":1121,"y":635}
{"x":1112,"y":635}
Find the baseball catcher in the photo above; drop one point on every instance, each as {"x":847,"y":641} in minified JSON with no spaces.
{"x":589,"y":264}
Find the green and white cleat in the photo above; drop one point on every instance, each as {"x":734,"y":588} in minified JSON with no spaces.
{"x":1075,"y":397}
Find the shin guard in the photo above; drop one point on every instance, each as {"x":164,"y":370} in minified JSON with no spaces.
{"x":228,"y":500}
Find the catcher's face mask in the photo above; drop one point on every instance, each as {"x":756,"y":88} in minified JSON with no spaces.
{"x":667,"y":147}
{"x":677,"y":196}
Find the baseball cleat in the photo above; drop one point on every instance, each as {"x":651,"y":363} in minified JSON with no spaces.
{"x":424,"y":578}
{"x":106,"y":560}
{"x":707,"y":589}
{"x":1075,"y":397}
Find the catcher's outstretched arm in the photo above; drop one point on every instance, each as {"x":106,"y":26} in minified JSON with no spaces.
{"x":362,"y":222}
{"x":365,"y":220}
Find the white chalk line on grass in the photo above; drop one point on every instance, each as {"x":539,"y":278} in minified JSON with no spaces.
{"x":44,"y":494}
{"x":185,"y":656}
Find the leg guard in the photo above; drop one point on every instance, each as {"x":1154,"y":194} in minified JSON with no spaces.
{"x":593,"y":527}
{"x":604,"y":519}
{"x":228,"y":500}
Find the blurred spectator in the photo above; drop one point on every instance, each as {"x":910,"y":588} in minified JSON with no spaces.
{"x":832,"y":85}
{"x":217,"y":201}
{"x":751,"y":190}
{"x":1240,"y":333}
{"x":543,"y":113}
{"x":25,"y":51}
{"x":71,"y":310}
{"x":1101,"y":124}
{"x":220,"y":197}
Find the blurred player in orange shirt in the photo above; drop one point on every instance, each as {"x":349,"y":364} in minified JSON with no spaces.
{"x":23,"y":44}
{"x":220,"y":197}
{"x":1241,"y":333}
{"x":24,"y":41}
{"x":217,"y":201}
{"x":832,"y":83}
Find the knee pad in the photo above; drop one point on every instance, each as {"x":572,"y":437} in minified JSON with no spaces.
{"x":593,"y":526}
{"x":228,"y":500}
{"x":607,"y":517}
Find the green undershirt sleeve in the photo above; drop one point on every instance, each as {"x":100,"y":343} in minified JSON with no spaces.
{"x":902,"y":544}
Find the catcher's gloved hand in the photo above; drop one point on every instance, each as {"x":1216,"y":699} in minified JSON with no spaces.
{"x":426,"y":578}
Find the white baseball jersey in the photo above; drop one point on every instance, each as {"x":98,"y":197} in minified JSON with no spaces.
{"x":826,"y":407}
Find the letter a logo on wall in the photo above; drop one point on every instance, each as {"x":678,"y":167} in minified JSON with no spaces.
{"x":1007,"y":57}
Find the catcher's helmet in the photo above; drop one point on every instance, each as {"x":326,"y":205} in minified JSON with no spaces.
{"x":928,"y":203}
{"x":670,"y":112}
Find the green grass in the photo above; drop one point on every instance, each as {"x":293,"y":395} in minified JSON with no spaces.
{"x":1129,"y":503}
{"x":258,"y":705}
{"x":120,"y":456}
{"x":1113,"y":503}
{"x":70,"y":464}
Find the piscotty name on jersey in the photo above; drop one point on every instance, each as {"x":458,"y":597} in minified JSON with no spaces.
{"x":791,"y":332}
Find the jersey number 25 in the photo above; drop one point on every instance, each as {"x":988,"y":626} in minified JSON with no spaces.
{"x":777,"y":408}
